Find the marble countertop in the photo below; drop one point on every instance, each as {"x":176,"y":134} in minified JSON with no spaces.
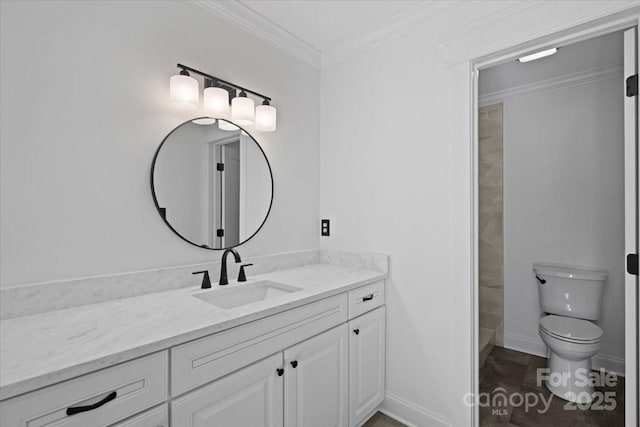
{"x":46,"y":348}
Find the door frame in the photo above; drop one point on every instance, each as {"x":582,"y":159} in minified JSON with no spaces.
{"x":596,"y":28}
{"x":217,"y":181}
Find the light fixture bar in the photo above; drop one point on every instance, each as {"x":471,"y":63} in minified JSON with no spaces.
{"x":538,"y":55}
{"x":218,"y":80}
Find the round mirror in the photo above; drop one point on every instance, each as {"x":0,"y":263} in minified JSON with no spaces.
{"x":212,"y":183}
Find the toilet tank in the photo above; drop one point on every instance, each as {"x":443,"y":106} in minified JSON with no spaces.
{"x":570,"y":291}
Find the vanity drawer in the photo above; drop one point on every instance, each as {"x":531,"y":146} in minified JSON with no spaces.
{"x":204,"y":360}
{"x":127,"y":388}
{"x":366,"y":298}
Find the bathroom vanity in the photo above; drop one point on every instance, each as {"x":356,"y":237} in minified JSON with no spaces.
{"x":302,"y":343}
{"x":303,"y":346}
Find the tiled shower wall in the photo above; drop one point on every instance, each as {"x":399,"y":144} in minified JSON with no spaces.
{"x":491,"y":229}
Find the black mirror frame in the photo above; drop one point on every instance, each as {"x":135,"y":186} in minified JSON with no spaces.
{"x":159,"y":209}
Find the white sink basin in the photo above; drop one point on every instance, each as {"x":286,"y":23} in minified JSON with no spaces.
{"x":243,"y":294}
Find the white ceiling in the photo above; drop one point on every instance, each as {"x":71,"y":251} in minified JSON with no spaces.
{"x":324,"y":25}
{"x":325,"y":32}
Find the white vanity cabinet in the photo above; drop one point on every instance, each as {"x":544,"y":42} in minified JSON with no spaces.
{"x":306,"y":385}
{"x":316,"y":365}
{"x":366,"y":364}
{"x":316,"y":381}
{"x":156,"y":417}
{"x":94,"y":400}
{"x":251,"y":396}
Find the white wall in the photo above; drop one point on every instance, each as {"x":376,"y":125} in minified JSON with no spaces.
{"x":385,"y":171}
{"x":85,"y":105}
{"x":396,"y":177}
{"x":564,"y":200}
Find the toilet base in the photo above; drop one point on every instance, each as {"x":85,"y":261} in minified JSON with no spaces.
{"x":568,"y":379}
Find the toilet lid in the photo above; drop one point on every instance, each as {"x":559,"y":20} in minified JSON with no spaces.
{"x":570,"y":329}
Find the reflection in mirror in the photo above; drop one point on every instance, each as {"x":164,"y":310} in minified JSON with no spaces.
{"x":213,"y":187}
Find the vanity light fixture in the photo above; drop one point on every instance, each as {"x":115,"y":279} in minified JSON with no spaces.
{"x":538,"y":55}
{"x":204,"y":121}
{"x":216,"y":96}
{"x":265,"y":117}
{"x":225,"y":125}
{"x":183,"y":91}
{"x":216,"y":102}
{"x":243,"y":110}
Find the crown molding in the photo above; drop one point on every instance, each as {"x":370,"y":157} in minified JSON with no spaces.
{"x":555,"y":83}
{"x":480,"y":19}
{"x":263,"y":28}
{"x":414,"y":18}
{"x":254,"y":23}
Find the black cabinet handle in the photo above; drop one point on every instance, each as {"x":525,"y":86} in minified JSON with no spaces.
{"x":367,"y":298}
{"x":542,"y":281}
{"x":280,"y":371}
{"x":77,"y":409}
{"x":294,"y":364}
{"x":356,"y":331}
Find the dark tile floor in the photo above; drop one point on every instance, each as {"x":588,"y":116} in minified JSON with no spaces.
{"x":516,"y":372}
{"x":381,"y":420}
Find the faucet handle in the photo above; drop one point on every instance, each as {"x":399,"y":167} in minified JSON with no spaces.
{"x":242,"y":277}
{"x":206,"y":281}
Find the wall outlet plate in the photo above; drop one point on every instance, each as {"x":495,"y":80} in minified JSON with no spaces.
{"x":324,"y":227}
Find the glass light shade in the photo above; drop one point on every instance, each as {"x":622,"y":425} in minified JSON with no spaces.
{"x":204,"y":121}
{"x":265,"y":118}
{"x":225,"y":125}
{"x":216,"y":102}
{"x":243,"y":110}
{"x":183,"y":92}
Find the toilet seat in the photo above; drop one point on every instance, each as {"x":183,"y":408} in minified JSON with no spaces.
{"x":570,"y":329}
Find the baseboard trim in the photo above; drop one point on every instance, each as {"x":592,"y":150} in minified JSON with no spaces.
{"x":525,"y":344}
{"x":529,"y":345}
{"x":410,"y":414}
{"x":608,"y":363}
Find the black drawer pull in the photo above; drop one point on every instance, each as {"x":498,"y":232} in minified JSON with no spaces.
{"x":356,"y":331}
{"x":367,"y":298}
{"x":77,"y":409}
{"x":280,"y":372}
{"x":294,"y":364}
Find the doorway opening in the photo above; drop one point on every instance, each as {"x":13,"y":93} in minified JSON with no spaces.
{"x":553,"y":228}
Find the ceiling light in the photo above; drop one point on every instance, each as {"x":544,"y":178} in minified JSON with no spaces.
{"x":538,"y":55}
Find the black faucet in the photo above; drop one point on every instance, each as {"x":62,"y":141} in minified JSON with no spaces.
{"x":223,"y":270}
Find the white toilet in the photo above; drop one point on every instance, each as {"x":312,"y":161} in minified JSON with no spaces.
{"x":571,"y":297}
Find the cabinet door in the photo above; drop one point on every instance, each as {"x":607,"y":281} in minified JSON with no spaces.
{"x":251,"y":396}
{"x":366,"y":364}
{"x":316,"y":381}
